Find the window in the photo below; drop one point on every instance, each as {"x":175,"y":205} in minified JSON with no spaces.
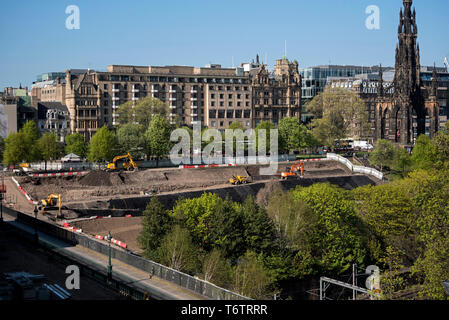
{"x":105,"y":87}
{"x":221,"y":104}
{"x":229,"y":114}
{"x":230,"y":103}
{"x":212,"y":96}
{"x":230,"y":96}
{"x":221,"y":96}
{"x":212,"y":104}
{"x":212,"y":123}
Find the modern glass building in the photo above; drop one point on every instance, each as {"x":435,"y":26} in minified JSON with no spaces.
{"x":314,"y":80}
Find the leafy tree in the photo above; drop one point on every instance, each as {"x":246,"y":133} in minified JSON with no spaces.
{"x":75,"y":143}
{"x":212,"y":222}
{"x":216,"y":268}
{"x":195,"y":215}
{"x":265,"y":143}
{"x":158,"y":137}
{"x":387,"y":211}
{"x":177,"y":250}
{"x":227,"y":229}
{"x":156,"y":223}
{"x":339,"y":114}
{"x":141,"y":112}
{"x":250,"y":277}
{"x":16,"y":149}
{"x":31,"y":134}
{"x":131,"y":139}
{"x":291,"y":218}
{"x":102,"y":145}
{"x":383,"y":154}
{"x":293,"y":135}
{"x":335,"y":242}
{"x":402,"y":162}
{"x":259,"y":230}
{"x":425,"y":153}
{"x":49,"y":147}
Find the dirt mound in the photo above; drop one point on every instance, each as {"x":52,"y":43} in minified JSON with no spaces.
{"x":96,"y":179}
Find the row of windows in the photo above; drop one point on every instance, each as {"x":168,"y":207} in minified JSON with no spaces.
{"x":222,"y":123}
{"x":170,"y":79}
{"x":229,"y":114}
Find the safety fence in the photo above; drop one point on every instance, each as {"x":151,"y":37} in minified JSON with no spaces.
{"x":196,"y":285}
{"x":358,"y":169}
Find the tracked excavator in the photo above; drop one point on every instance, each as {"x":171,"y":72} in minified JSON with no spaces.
{"x":129,"y":165}
{"x":52,"y":201}
{"x":293,"y":171}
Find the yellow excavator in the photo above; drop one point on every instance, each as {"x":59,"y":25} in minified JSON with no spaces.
{"x":52,"y":201}
{"x":127,"y":165}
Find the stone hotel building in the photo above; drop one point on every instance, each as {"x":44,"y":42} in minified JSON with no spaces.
{"x":211,"y":96}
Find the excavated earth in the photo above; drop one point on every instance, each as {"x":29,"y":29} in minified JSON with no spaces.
{"x":105,"y":194}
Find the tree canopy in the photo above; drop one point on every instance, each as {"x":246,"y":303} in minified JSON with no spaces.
{"x":339,"y":114}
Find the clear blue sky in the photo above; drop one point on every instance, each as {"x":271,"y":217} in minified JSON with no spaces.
{"x":197,"y":32}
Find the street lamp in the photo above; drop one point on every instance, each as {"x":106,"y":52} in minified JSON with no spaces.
{"x":109,"y":238}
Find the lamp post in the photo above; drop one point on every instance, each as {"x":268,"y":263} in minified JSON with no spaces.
{"x":109,"y":238}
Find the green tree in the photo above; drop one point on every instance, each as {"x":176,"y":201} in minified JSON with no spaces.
{"x":158,"y":137}
{"x":339,"y":114}
{"x":264,"y":143}
{"x":425,"y":153}
{"x":16,"y":148}
{"x":31,"y":134}
{"x":291,"y":218}
{"x":75,"y":143}
{"x":383,"y":154}
{"x":293,"y":135}
{"x":177,"y":250}
{"x":216,"y":268}
{"x":131,"y":139}
{"x":250,"y":277}
{"x":259,"y":230}
{"x":49,"y":147}
{"x":402,"y":162}
{"x":102,"y":145}
{"x":156,"y":223}
{"x":141,"y":112}
{"x":336,"y":241}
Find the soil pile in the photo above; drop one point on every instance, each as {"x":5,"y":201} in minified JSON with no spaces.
{"x":96,"y":179}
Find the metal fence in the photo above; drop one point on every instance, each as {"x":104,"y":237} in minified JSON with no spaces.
{"x":198,"y":286}
{"x":358,"y":169}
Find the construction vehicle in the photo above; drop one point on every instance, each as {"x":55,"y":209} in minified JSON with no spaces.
{"x":236,"y":180}
{"x":127,"y":165}
{"x":293,"y":170}
{"x":52,"y":201}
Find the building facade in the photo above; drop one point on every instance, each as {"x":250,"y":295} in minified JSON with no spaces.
{"x":211,"y":96}
{"x":403,"y":115}
{"x":315,"y":79}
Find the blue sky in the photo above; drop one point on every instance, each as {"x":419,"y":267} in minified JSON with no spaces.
{"x":197,"y":32}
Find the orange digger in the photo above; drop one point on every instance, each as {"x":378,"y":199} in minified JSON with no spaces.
{"x":293,"y":171}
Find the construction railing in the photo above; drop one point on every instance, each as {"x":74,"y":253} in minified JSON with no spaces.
{"x":181,"y":279}
{"x":357,"y":169}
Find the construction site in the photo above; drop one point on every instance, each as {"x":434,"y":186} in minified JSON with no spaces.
{"x":102,"y":201}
